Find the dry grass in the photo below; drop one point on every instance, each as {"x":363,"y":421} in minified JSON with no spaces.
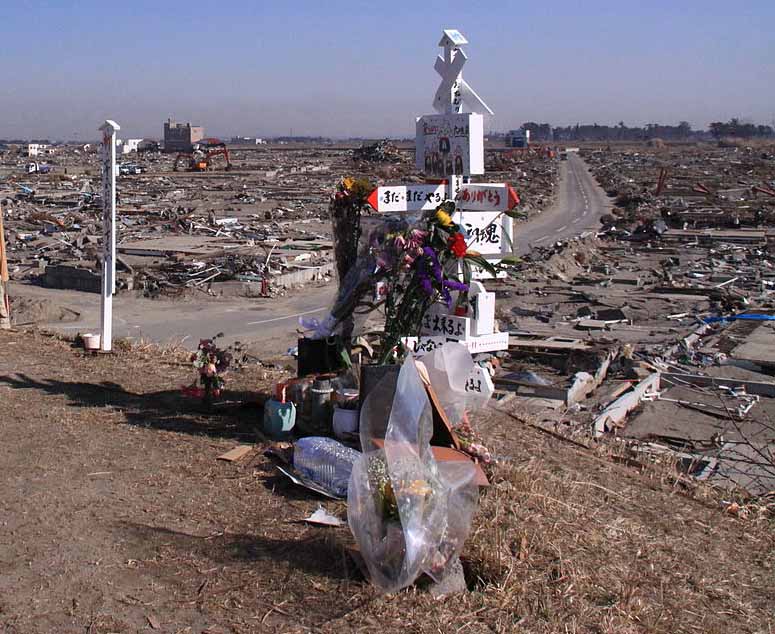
{"x":566,"y":539}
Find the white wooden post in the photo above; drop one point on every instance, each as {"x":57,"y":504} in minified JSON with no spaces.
{"x":108,"y":155}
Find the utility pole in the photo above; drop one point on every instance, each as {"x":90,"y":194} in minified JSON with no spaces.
{"x":108,"y":151}
{"x":5,"y":305}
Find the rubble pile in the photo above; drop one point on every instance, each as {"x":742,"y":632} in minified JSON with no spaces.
{"x":695,"y":187}
{"x":534,"y":174}
{"x":380,"y":152}
{"x":178,"y":229}
{"x":264,"y":219}
{"x":665,"y":342}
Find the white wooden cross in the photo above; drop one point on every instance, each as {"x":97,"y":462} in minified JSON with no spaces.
{"x":453,"y":92}
{"x":450,"y":148}
{"x":108,"y":156}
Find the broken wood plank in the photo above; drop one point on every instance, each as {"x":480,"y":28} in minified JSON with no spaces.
{"x":615,"y":414}
{"x":239,"y":452}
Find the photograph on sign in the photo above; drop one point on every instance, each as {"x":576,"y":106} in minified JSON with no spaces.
{"x":450,"y":144}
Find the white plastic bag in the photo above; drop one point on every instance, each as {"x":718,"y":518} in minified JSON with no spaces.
{"x":408,"y":513}
{"x":449,"y":368}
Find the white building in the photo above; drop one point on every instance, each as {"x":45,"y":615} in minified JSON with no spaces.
{"x":36,"y":149}
{"x":125,"y":147}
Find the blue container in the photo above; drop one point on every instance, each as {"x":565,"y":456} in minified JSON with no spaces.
{"x":279,"y":419}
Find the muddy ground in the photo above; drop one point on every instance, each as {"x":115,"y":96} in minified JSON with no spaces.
{"x":117,"y":517}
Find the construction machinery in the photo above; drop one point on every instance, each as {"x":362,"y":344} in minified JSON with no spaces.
{"x":201,"y":157}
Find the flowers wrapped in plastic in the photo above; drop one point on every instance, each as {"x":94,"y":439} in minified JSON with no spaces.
{"x":409,"y":514}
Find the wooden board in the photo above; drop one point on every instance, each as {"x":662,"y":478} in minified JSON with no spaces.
{"x":239,"y":452}
{"x":443,"y":434}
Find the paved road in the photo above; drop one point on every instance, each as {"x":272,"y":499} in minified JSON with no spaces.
{"x":579,"y":205}
{"x":271,"y":321}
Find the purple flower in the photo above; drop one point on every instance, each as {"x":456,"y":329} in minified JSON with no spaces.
{"x":424,"y":280}
{"x":432,"y":260}
{"x":385,"y":261}
{"x":454,"y":285}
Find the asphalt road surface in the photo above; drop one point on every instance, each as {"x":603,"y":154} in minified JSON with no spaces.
{"x":269,"y":322}
{"x":579,"y":205}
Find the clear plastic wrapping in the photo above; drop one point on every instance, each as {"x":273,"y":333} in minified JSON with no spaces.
{"x":408,"y":513}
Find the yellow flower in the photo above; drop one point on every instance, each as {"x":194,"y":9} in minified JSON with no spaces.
{"x":416,"y":487}
{"x":443,"y":218}
{"x":348,"y":183}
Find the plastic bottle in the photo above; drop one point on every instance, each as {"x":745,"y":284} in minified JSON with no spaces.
{"x":325,"y":461}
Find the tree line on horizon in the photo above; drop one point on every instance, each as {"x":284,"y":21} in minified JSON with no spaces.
{"x":545,"y":132}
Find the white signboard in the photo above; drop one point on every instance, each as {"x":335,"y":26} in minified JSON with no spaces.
{"x":482,"y":308}
{"x":450,"y":144}
{"x":452,"y":327}
{"x":407,"y":197}
{"x":479,"y":383}
{"x":486,"y":230}
{"x":487,"y":197}
{"x":421,"y":346}
{"x":486,"y":343}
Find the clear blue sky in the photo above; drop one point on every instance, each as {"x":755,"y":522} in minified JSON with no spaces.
{"x":354,"y":68}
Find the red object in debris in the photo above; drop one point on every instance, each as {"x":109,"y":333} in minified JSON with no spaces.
{"x":461,"y":311}
{"x":513,"y":197}
{"x":192,"y":391}
{"x":264,"y":286}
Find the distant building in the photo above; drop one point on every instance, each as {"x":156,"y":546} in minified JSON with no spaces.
{"x":180,"y":137}
{"x":518,"y":138}
{"x":251,"y":140}
{"x":36,"y":149}
{"x":130,"y":145}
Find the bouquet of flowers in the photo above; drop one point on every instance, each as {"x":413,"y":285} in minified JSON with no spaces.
{"x":418,"y":266}
{"x":211,"y":363}
{"x":345,"y":207}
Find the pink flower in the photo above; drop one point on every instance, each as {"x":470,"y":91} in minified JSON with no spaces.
{"x":417,"y":236}
{"x":399,"y":243}
{"x":382,"y":263}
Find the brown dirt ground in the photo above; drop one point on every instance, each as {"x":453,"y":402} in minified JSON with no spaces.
{"x":117,"y":517}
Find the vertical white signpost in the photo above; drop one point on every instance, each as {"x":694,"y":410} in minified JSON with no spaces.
{"x":108,"y":159}
{"x":450,"y":147}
